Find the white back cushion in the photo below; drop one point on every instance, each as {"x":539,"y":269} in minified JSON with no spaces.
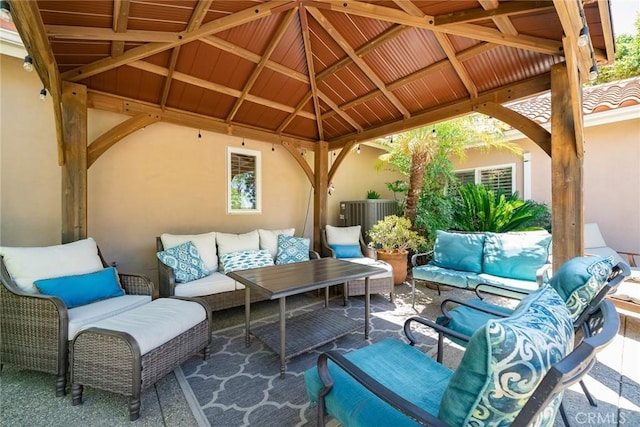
{"x":269,"y":239}
{"x":343,"y":235}
{"x":205,"y":243}
{"x":228,"y":242}
{"x":26,"y":265}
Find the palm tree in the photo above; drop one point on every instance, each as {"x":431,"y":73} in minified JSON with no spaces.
{"x":413,"y":151}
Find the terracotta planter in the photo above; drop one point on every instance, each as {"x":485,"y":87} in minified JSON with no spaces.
{"x":398,"y":261}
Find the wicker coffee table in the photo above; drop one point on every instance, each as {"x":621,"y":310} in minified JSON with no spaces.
{"x":308,"y":330}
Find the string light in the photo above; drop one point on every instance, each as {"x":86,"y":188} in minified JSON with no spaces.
{"x":28,"y":64}
{"x":358,"y":149}
{"x":43,"y":94}
{"x":273,"y":148}
{"x":199,"y":134}
{"x":434,"y":134}
{"x":243,"y":142}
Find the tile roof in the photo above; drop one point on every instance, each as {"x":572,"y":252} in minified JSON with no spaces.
{"x":607,"y":96}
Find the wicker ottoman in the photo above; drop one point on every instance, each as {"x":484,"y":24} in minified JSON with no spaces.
{"x":131,"y":351}
{"x":379,"y":284}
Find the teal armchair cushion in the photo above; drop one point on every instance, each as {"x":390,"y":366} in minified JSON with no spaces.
{"x":506,"y":359}
{"x":82,"y":289}
{"x":579,"y":280}
{"x":515,"y":255}
{"x":347,"y":251}
{"x":459,"y":251}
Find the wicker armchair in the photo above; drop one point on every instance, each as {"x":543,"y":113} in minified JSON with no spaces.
{"x":34,"y":327}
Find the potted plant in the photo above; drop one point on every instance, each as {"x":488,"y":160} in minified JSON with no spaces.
{"x":392,"y":237}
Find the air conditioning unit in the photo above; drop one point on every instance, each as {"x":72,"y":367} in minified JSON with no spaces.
{"x":366,"y":213}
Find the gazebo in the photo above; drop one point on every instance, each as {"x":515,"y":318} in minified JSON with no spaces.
{"x":318,"y":75}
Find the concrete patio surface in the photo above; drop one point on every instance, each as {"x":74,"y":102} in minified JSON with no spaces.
{"x":27,"y":398}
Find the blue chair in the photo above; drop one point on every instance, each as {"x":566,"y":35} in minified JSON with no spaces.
{"x":393,"y":383}
{"x":582,"y":282}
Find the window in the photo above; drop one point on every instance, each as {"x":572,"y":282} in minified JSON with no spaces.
{"x":243,"y":181}
{"x":493,"y":177}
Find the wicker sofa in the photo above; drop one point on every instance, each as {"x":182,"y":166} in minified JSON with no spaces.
{"x":37,"y":329}
{"x":219,"y":290}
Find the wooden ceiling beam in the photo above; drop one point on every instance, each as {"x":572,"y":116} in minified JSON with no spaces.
{"x":339,"y":111}
{"x":440,"y":113}
{"x":275,"y":40}
{"x":140,"y":52}
{"x":571,"y":17}
{"x":198,"y":15}
{"x":296,"y":110}
{"x":605,"y":58}
{"x":500,"y":9}
{"x":371,"y":75}
{"x":503,"y":23}
{"x":72,"y":32}
{"x":216,"y":87}
{"x":382,"y":13}
{"x":120,"y":22}
{"x":304,"y":29}
{"x":131,"y":107}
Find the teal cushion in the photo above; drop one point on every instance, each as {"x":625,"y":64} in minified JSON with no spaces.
{"x":398,"y":366}
{"x":243,"y":260}
{"x":292,"y":249}
{"x":185,"y":261}
{"x":505,"y":361}
{"x":444,"y":276}
{"x":515,"y":255}
{"x":579,"y":280}
{"x":459,"y":251}
{"x":84,"y":288}
{"x":347,"y":251}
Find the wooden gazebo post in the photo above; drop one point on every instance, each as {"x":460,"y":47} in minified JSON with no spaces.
{"x":321,"y":164}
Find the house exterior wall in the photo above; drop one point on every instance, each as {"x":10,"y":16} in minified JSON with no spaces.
{"x":159,"y":179}
{"x":611,"y":175}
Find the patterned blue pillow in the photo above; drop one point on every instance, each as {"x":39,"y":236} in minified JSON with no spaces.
{"x":244,"y":260}
{"x":185,"y":261}
{"x":292,"y":249}
{"x":505,"y":361}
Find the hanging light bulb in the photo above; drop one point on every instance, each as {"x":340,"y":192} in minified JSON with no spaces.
{"x":358,"y":149}
{"x":593,"y":72}
{"x":28,"y":64}
{"x":5,"y":11}
{"x":43,"y":94}
{"x":243,"y":142}
{"x":434,"y":134}
{"x":583,"y":38}
{"x":331,"y":189}
{"x":273,"y":148}
{"x":199,"y":134}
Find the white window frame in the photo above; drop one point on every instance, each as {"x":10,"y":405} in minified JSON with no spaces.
{"x":257,"y":206}
{"x":478,"y":173}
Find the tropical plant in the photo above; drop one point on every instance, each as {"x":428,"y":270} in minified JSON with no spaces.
{"x":372,"y":194}
{"x":394,"y":234}
{"x":423,"y":156}
{"x":482,"y":209}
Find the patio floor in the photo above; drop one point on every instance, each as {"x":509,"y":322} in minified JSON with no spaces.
{"x":27,"y":397}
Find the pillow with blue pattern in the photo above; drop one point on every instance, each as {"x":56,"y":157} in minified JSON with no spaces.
{"x":243,"y":260}
{"x":185,"y":261}
{"x":292,"y":249}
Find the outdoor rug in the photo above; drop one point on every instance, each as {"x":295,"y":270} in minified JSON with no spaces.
{"x":241,"y":386}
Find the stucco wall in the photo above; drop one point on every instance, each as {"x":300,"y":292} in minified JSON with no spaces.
{"x":160,"y":179}
{"x":611,"y":178}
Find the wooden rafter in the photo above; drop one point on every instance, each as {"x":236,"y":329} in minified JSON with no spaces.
{"x":335,"y":34}
{"x":275,"y":40}
{"x":304,"y":28}
{"x":107,"y":34}
{"x":296,"y":110}
{"x":503,"y":22}
{"x":571,"y":17}
{"x":198,"y":15}
{"x":140,"y":52}
{"x":340,"y":112}
{"x":493,"y":9}
{"x":120,"y":22}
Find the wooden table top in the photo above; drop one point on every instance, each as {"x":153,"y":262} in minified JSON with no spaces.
{"x":282,"y":280}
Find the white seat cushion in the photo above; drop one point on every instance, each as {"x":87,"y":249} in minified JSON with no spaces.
{"x":26,"y":265}
{"x":212,"y":284}
{"x":269,"y":239}
{"x":81,"y":317}
{"x":153,"y":324}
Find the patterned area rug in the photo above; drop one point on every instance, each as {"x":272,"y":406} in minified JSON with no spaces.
{"x":241,"y":386}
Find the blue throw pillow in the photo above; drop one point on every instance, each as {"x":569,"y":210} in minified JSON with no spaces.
{"x":292,"y":249}
{"x":347,"y":251}
{"x":84,"y":288}
{"x":243,"y":260}
{"x":517,"y":255}
{"x":579,"y":280}
{"x":185,"y":261}
{"x":459,"y":251}
{"x":505,"y":361}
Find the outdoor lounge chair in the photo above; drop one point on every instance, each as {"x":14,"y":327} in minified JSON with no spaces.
{"x":582,"y":282}
{"x":37,"y":329}
{"x":392,"y":383}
